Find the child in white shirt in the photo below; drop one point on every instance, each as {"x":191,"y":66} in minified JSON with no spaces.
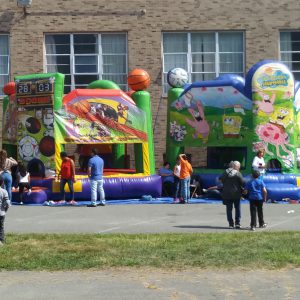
{"x":23,"y":181}
{"x":4,"y":204}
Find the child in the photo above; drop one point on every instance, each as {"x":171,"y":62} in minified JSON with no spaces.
{"x":67,"y":175}
{"x":257,"y":195}
{"x":186,"y":171}
{"x":177,"y":181}
{"x":4,"y":204}
{"x":23,"y":178}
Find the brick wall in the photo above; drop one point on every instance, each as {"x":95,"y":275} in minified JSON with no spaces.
{"x":260,"y":19}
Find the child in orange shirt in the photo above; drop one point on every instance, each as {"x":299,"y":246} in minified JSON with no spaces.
{"x":186,"y":171}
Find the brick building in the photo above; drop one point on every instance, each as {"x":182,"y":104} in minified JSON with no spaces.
{"x":92,"y":39}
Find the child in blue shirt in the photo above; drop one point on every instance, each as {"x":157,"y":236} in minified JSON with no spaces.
{"x":257,"y":195}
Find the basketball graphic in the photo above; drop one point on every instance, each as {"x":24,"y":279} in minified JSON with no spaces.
{"x":28,"y":148}
{"x":47,"y":146}
{"x":177,"y":77}
{"x":9,"y":88}
{"x":83,"y":106}
{"x":138,"y":79}
{"x":33,"y":125}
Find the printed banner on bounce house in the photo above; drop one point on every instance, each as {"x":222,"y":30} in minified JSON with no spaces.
{"x":34,"y":99}
{"x":275,"y":121}
{"x":89,"y":117}
{"x":210,"y":114}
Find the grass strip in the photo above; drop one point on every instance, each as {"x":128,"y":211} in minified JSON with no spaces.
{"x":268,"y":250}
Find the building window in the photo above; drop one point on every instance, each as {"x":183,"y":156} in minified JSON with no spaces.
{"x":84,"y":58}
{"x":4,"y":61}
{"x":204,"y":55}
{"x":290,"y":51}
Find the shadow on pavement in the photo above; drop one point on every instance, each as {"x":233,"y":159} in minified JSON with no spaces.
{"x":211,"y":227}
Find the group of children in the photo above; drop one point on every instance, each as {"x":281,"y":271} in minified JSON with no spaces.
{"x":176,"y":183}
{"x":22,"y":181}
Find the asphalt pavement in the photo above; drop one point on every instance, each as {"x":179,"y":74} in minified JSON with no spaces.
{"x":144,"y":218}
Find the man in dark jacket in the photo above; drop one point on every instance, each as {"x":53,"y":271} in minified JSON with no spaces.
{"x":233,"y":183}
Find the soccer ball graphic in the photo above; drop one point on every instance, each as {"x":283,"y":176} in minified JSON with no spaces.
{"x":48,"y":118}
{"x":177,"y":77}
{"x":28,"y":148}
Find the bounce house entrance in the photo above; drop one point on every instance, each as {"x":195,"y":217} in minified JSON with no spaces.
{"x":274,"y":166}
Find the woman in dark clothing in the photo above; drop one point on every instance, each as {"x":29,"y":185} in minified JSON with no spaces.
{"x":233,"y":183}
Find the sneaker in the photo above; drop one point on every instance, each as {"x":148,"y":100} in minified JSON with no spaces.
{"x":231,"y":227}
{"x":204,"y":190}
{"x":73,"y":202}
{"x":101,"y":204}
{"x":263,"y":225}
{"x":61,"y":201}
{"x":29,"y":192}
{"x":176,"y":200}
{"x":252,"y":228}
{"x":237,"y":226}
{"x":92,"y":205}
{"x":21,"y":203}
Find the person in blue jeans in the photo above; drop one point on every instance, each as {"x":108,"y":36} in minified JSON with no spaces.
{"x":257,"y":195}
{"x":6,"y":163}
{"x":95,"y":173}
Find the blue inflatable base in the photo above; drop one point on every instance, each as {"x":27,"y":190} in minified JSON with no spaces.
{"x":140,"y":202}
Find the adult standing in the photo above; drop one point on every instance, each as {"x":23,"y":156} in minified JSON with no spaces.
{"x":258,"y":163}
{"x":6,"y":163}
{"x":233,"y":183}
{"x":186,"y":171}
{"x":67,"y":175}
{"x":95,"y":173}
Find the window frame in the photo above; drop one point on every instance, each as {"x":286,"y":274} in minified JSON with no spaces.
{"x":8,"y":62}
{"x":99,"y":56}
{"x":189,"y":54}
{"x":289,"y":64}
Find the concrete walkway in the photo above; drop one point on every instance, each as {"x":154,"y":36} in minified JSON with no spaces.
{"x":137,"y":284}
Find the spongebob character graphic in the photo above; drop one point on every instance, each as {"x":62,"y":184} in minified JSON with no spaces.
{"x":231,"y":126}
{"x":282,"y":116}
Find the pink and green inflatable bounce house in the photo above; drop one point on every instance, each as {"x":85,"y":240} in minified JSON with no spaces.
{"x":39,"y":121}
{"x":232,"y":118}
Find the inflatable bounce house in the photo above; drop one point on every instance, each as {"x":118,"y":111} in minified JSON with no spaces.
{"x":39,"y":121}
{"x":232,"y":118}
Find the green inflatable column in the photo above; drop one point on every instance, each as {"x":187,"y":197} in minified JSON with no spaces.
{"x":143,"y":101}
{"x":172,"y":151}
{"x":118,"y":153}
{"x":11,"y":149}
{"x":118,"y":150}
